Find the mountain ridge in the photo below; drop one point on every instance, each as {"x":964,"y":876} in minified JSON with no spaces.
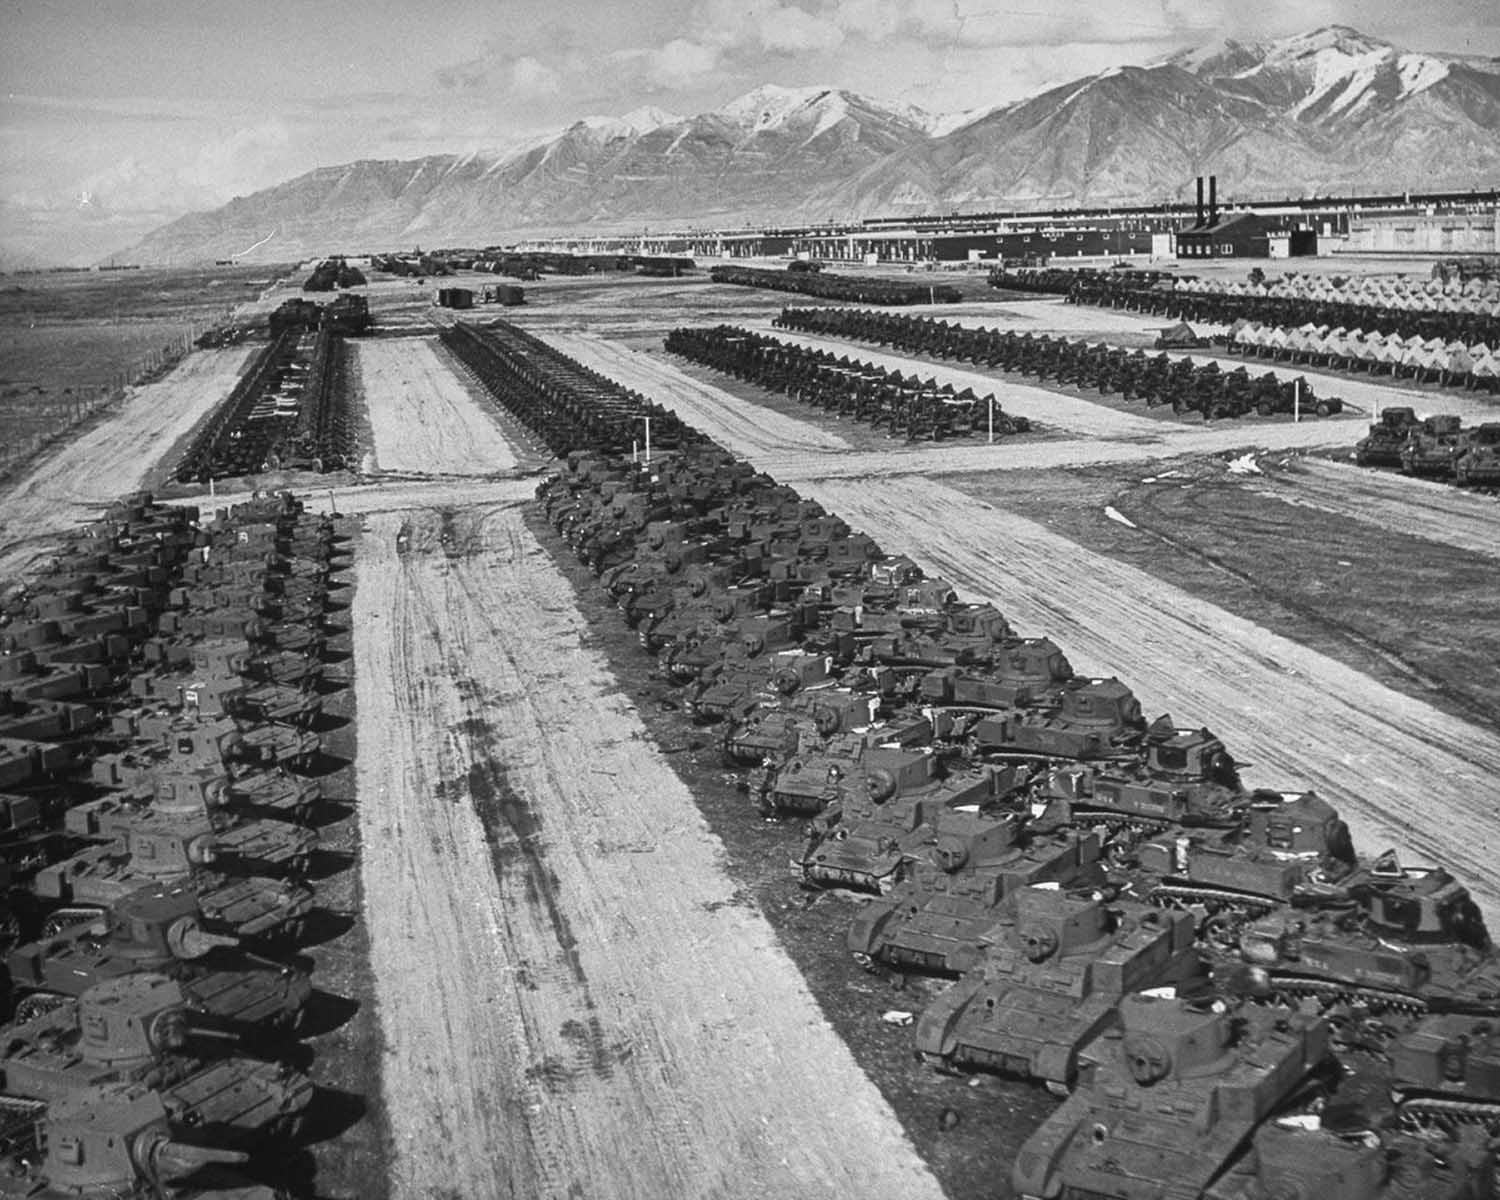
{"x":1331,"y":109}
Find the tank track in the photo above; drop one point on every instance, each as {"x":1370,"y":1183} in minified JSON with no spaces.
{"x":1168,"y":895}
{"x":1422,"y":1114}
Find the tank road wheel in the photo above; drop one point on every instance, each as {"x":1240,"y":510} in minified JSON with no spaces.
{"x":38,"y":1004}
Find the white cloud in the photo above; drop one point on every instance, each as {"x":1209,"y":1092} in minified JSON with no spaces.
{"x":793,"y":30}
{"x":679,"y":64}
{"x":531,"y":77}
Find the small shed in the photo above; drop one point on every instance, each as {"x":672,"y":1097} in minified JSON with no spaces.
{"x":454,"y":297}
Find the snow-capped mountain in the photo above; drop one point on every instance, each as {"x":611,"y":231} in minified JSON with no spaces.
{"x":1323,"y":111}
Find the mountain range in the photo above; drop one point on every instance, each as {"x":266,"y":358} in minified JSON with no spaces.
{"x":1323,"y":112}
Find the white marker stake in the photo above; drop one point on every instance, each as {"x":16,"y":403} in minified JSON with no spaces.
{"x":1296,"y":401}
{"x":992,"y":419}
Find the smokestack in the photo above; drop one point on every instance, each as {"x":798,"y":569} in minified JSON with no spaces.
{"x":1198,"y":212}
{"x":1213,"y":199}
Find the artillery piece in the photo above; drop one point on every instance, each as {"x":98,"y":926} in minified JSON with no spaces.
{"x":1048,"y":979}
{"x":1168,"y":1099}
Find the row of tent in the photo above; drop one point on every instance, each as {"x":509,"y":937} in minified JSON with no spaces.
{"x":1476,"y":296}
{"x":1448,"y":362}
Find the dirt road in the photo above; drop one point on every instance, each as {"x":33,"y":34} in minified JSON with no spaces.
{"x":749,"y":428}
{"x":576,"y":1002}
{"x":71,"y":484}
{"x":1435,"y":511}
{"x":1402,"y":773}
{"x":425,"y":417}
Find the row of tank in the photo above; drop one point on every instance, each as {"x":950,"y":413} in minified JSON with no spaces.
{"x":1437,"y":446}
{"x":1180,"y":382}
{"x":163,"y":679}
{"x":800,"y":277}
{"x":1211,"y":974}
{"x":911,"y":408}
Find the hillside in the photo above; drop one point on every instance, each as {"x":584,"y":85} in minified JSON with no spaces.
{"x":1328,"y":110}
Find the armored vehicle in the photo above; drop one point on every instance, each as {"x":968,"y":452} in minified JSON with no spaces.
{"x":1408,"y":942}
{"x":1301,"y":1156}
{"x":1288,"y":849}
{"x":1168,"y":1099}
{"x":1027,"y":672}
{"x":1478,"y":461}
{"x":1432,"y":447}
{"x":743,"y":685}
{"x":801,"y":724}
{"x":1188,"y":779}
{"x":884,"y":813}
{"x":1446,"y":1073}
{"x":939,"y":918}
{"x":1048,"y":980}
{"x":1096,"y":718}
{"x":119,"y":1141}
{"x":163,"y":929}
{"x":1383,"y":444}
{"x":136,"y":1029}
{"x":823,"y":772}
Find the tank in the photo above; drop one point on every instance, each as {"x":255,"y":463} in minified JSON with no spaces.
{"x":1167,"y":1099}
{"x":1407,"y":943}
{"x":1290,"y":848}
{"x":749,"y":683}
{"x":1445,"y":1073}
{"x":821,"y":771}
{"x":1300,"y":1156}
{"x":1027,"y":672}
{"x":137,"y":1029}
{"x":120,"y":1141}
{"x":1096,"y":719}
{"x":1432,"y":447}
{"x":1050,"y":978}
{"x":1478,"y":461}
{"x":1383,"y":444}
{"x":1188,"y":779}
{"x":884,"y":815}
{"x":939,"y":918}
{"x":804,"y":722}
{"x":163,"y":929}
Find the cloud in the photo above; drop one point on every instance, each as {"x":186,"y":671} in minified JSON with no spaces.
{"x":679,"y":64}
{"x":530,"y":77}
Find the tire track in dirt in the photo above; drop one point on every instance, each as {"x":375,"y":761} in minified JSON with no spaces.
{"x":1402,"y":773}
{"x":71,"y":484}
{"x":425,"y":417}
{"x":748,"y":427}
{"x":574,"y":1000}
{"x":1438,"y":512}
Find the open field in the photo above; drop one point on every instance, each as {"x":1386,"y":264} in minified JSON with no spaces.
{"x":579,"y":964}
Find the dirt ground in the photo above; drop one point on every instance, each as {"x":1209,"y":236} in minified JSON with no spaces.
{"x":115,"y":456}
{"x":576,"y":1002}
{"x":422,"y":414}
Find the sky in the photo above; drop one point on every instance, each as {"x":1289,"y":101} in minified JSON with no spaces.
{"x":117,"y":116}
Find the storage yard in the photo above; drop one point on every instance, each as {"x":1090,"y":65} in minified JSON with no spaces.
{"x":556,"y":916}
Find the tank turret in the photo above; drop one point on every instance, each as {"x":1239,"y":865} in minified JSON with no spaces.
{"x":1048,"y":980}
{"x":118,"y":1141}
{"x":1167,"y":1099}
